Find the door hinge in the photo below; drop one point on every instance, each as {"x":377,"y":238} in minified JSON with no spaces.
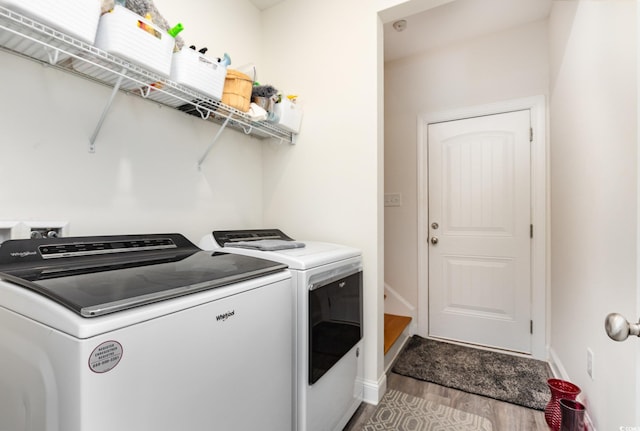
{"x":530,"y":231}
{"x":530,"y":134}
{"x":531,"y":327}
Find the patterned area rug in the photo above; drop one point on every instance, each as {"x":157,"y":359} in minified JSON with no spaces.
{"x":402,"y":412}
{"x":501,"y":376}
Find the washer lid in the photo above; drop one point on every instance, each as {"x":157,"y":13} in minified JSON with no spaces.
{"x":312,"y":255}
{"x":223,"y":237}
{"x":98,"y":275}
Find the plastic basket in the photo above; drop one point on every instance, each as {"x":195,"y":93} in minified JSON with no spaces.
{"x":194,"y":70}
{"x":124,"y":33}
{"x":289,"y":115}
{"x":77,"y":18}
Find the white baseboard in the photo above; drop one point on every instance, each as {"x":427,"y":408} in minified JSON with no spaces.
{"x":373,"y":391}
{"x":556,"y":366}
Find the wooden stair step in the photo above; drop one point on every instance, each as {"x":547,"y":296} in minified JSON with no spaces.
{"x":393,"y":327}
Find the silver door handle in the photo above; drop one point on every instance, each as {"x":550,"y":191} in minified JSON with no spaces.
{"x":619,"y":329}
{"x":434,"y":240}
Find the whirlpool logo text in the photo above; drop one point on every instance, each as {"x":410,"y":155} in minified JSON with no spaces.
{"x":23,"y":253}
{"x":224,"y":316}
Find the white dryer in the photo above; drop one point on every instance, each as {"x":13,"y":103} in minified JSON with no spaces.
{"x":327,"y":282}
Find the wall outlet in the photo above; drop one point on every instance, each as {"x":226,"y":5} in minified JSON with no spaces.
{"x":46,"y":229}
{"x":392,"y":200}
{"x":590,"y":363}
{"x":45,"y":232}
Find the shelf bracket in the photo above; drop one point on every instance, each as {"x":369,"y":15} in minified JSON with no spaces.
{"x":53,"y":55}
{"x":145,"y":91}
{"x":92,"y":139}
{"x":204,"y":115}
{"x":206,"y":153}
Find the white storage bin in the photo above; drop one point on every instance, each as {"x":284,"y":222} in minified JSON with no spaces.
{"x":289,"y":115}
{"x":76,"y":18}
{"x":125,"y":34}
{"x":194,"y":70}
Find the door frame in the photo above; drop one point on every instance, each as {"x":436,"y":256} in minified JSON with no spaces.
{"x":539,"y":210}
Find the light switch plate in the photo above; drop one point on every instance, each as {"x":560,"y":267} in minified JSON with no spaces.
{"x":392,"y":200}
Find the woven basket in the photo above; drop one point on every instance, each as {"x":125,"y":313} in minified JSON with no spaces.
{"x":237,"y":90}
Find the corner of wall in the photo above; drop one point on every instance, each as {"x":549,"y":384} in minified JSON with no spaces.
{"x":374,"y":390}
{"x":394,"y":303}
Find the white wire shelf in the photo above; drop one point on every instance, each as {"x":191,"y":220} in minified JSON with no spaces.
{"x":26,"y":37}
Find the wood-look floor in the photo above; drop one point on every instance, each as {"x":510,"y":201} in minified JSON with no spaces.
{"x":503,"y":416}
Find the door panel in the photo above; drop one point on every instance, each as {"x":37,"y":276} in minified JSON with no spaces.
{"x":479,"y":198}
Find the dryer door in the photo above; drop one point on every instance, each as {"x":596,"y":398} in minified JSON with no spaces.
{"x":335,"y":322}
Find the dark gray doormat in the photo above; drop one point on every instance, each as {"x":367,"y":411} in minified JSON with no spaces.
{"x":501,"y":376}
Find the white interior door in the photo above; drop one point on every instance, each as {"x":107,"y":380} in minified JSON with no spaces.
{"x":479,"y":230}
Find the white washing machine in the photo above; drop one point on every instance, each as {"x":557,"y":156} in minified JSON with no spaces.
{"x":327,"y":282}
{"x":142,"y":333}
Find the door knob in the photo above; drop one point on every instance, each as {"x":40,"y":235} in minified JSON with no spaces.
{"x":619,"y":329}
{"x":434,"y":240}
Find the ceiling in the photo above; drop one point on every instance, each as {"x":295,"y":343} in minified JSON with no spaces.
{"x":458,"y":21}
{"x":452,"y":22}
{"x":265,"y":4}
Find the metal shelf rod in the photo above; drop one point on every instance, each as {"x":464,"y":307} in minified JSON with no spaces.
{"x":210,"y":147}
{"x":116,"y":88}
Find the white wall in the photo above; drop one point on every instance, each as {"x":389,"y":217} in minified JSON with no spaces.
{"x":329,"y":185}
{"x":143,"y":176}
{"x":501,"y":66}
{"x":584,"y":59}
{"x":232,"y":26}
{"x":594,"y":198}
